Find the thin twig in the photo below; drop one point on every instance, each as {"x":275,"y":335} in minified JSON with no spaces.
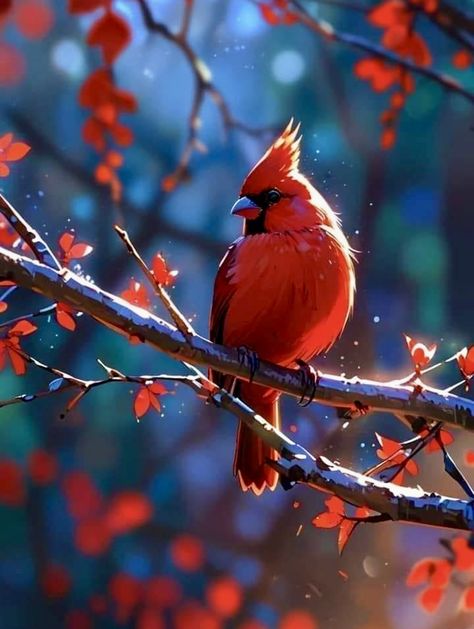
{"x":178,"y":318}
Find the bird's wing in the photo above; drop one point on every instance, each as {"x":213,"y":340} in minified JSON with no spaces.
{"x":223,"y":291}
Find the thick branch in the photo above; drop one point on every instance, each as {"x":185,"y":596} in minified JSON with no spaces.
{"x":114,"y":312}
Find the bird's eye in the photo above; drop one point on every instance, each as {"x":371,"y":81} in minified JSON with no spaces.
{"x":273,"y":196}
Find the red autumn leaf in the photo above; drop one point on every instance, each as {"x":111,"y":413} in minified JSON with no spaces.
{"x":444,"y":436}
{"x":161,"y":271}
{"x":381,"y":75}
{"x":396,"y":36}
{"x":111,"y":33}
{"x":103,"y":174}
{"x":93,"y":133}
{"x":65,"y":318}
{"x":92,"y":537}
{"x":114,"y":159}
{"x":397,"y":100}
{"x":96,"y":89}
{"x":388,"y":448}
{"x":85,"y":6}
{"x":128,"y":510}
{"x":3,"y":306}
{"x":327,"y":520}
{"x":16,"y":151}
{"x":462,"y":59}
{"x":142,"y":402}
{"x":464,"y":554}
{"x":72,"y":250}
{"x":420,"y":353}
{"x":12,"y":490}
{"x":436,"y":572}
{"x":417,"y":49}
{"x":17,"y":361}
{"x":42,"y":467}
{"x":465,"y":360}
{"x":136,"y":294}
{"x":125,"y":590}
{"x":121,"y":134}
{"x":430,"y":599}
{"x":22,"y":328}
{"x":467,"y":599}
{"x":80,"y":250}
{"x":389,"y":13}
{"x":82,"y":496}
{"x":269,"y":15}
{"x":387,"y":139}
{"x":55,"y":582}
{"x":469,"y":458}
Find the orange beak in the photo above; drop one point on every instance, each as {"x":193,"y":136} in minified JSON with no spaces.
{"x":246,"y":208}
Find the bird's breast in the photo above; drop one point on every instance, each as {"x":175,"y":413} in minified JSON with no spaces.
{"x":291,"y":293}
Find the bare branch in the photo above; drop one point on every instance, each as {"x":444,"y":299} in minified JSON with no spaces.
{"x":203,"y":86}
{"x":40,"y":249}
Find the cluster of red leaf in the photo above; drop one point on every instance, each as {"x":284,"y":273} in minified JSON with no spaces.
{"x":106,"y":102}
{"x":147,"y":397}
{"x":32,"y":19}
{"x":41,"y":470}
{"x":98,"y":520}
{"x":277,"y":12}
{"x":335,"y":516}
{"x":436,"y":573}
{"x":465,"y":361}
{"x":10,"y":346}
{"x":10,"y":151}
{"x":397,"y":20}
{"x":137,"y":294}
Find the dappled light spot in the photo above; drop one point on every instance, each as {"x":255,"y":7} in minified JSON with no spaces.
{"x":162,"y":591}
{"x":128,"y":510}
{"x":92,"y":537}
{"x":298,"y":619}
{"x":55,"y":582}
{"x":224,"y":596}
{"x":42,"y":467}
{"x":12,"y":490}
{"x":187,"y":553}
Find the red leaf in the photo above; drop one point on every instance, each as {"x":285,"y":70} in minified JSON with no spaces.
{"x":5,"y":141}
{"x":66,"y":240}
{"x":121,"y":134}
{"x":15,"y":151}
{"x":158,"y":388}
{"x":161,"y":271}
{"x":464,"y":554}
{"x":64,"y":319}
{"x":430,"y":599}
{"x":345,"y":531}
{"x":327,"y":520}
{"x":22,"y":328}
{"x":269,"y":15}
{"x":12,"y":490}
{"x":84,"y":6}
{"x":417,"y":49}
{"x":3,"y":306}
{"x":111,"y":33}
{"x":467,"y":599}
{"x":142,"y":402}
{"x":335,"y":505}
{"x":93,"y":134}
{"x":388,"y":138}
{"x":4,"y":170}
{"x":420,"y":354}
{"x":430,"y":570}
{"x":465,"y":360}
{"x":136,"y":294}
{"x":389,"y":13}
{"x":380,"y":74}
{"x":462,"y":59}
{"x":469,"y":458}
{"x":155,"y":402}
{"x":127,"y":511}
{"x":42,"y":467}
{"x":114,"y":159}
{"x":17,"y":361}
{"x":80,"y":250}
{"x":103,"y":174}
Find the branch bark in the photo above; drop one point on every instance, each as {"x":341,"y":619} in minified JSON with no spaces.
{"x":66,"y":287}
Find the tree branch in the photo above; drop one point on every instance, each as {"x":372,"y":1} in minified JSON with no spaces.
{"x":327,"y":31}
{"x":66,"y":287}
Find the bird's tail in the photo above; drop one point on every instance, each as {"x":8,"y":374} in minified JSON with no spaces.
{"x":251,"y":453}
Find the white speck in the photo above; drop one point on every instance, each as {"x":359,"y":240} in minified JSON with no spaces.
{"x":376,"y":319}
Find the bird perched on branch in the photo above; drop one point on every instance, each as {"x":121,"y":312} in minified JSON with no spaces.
{"x":283,"y":291}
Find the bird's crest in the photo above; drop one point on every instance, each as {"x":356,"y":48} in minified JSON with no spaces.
{"x":279,"y":162}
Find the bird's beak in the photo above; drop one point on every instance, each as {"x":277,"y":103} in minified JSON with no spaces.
{"x":246,"y":208}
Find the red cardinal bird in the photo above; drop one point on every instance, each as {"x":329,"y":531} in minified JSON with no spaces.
{"x":283,"y":290}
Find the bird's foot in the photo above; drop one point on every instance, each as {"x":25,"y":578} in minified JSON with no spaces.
{"x":250,"y":359}
{"x":309,"y":381}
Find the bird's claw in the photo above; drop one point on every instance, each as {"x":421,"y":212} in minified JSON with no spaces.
{"x":250,"y":359}
{"x":309,"y":381}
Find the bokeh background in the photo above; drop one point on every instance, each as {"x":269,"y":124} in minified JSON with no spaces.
{"x":203,"y":554}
